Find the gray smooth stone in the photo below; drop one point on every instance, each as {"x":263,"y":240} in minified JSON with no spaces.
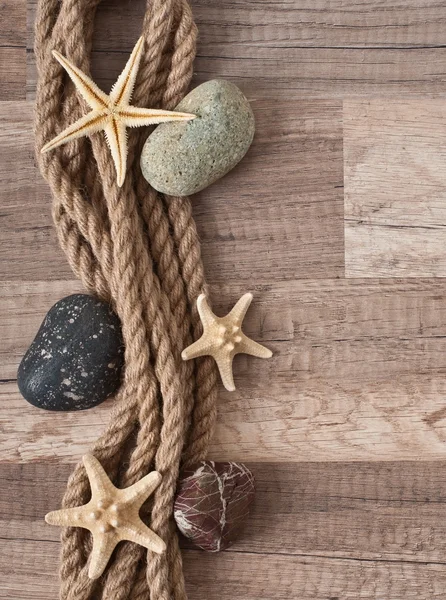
{"x":182,"y":158}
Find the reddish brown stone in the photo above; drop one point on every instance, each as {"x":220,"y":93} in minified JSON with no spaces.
{"x":213,"y":502}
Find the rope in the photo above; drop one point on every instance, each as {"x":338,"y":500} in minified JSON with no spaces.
{"x":140,"y":252}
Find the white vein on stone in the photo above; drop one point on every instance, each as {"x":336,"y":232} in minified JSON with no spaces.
{"x":206,"y":516}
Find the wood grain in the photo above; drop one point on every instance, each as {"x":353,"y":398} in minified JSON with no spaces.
{"x":300,"y":48}
{"x":12,"y":73}
{"x":358,"y":373}
{"x":395,"y":186}
{"x":13,"y":31}
{"x":345,"y":92}
{"x":271,"y":73}
{"x":300,"y":200}
{"x":281,"y":577}
{"x":13,"y":38}
{"x":29,"y":574}
{"x":383,"y":533}
{"x":28,"y":240}
{"x":262,"y":23}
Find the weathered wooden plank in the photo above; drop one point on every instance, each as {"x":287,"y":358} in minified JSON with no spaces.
{"x":12,"y":73}
{"x":29,"y":245}
{"x":278,"y":214}
{"x":282,"y":577}
{"x":272,"y":73}
{"x":399,"y":419}
{"x":22,"y":308}
{"x":29,"y":572}
{"x":13,"y":38}
{"x":383,"y":530}
{"x":373,"y":511}
{"x":358,"y":373}
{"x":395,"y":184}
{"x":13,"y":30}
{"x":301,"y":48}
{"x":29,"y":434}
{"x":316,"y":24}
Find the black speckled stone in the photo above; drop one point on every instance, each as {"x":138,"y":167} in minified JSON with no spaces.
{"x":76,"y":358}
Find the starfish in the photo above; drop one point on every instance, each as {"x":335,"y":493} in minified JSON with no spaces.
{"x":223,"y":338}
{"x":112,"y":515}
{"x":112,"y":113}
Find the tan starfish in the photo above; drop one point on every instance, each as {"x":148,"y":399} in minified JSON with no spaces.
{"x":112,"y":515}
{"x":223,"y":338}
{"x":112,"y":113}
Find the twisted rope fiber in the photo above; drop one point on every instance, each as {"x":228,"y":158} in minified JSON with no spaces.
{"x":139,"y":251}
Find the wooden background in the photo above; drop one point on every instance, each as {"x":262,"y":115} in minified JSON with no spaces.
{"x":336,"y":221}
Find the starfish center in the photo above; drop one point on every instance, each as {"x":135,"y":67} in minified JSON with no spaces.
{"x":111,"y":515}
{"x":107,"y":514}
{"x":228,"y":337}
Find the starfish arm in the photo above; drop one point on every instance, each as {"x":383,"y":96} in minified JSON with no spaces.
{"x":248,"y":346}
{"x":239,"y":311}
{"x":91,"y":123}
{"x":142,"y":489}
{"x":225,"y":367}
{"x":201,"y":347}
{"x":134,"y":116}
{"x":66,"y":517}
{"x":122,"y":90}
{"x":207,"y":317}
{"x":85,"y":86}
{"x":103,"y":546}
{"x":101,"y":486}
{"x":140,"y":534}
{"x":117,"y":140}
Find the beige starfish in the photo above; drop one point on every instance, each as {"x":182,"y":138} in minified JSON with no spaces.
{"x":112,"y":515}
{"x":223,"y":338}
{"x":112,"y":113}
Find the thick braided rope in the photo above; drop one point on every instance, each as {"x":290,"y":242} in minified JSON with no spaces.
{"x":181,"y":57}
{"x":184,"y":237}
{"x":156,"y":309}
{"x":179,"y":212}
{"x":122,"y":572}
{"x":169,"y":268}
{"x":64,"y":175}
{"x":80,"y":229}
{"x":153,"y":299}
{"x":73,"y":538}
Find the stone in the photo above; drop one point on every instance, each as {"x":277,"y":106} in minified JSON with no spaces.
{"x":76,"y":358}
{"x":213,"y":502}
{"x":181,"y":159}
